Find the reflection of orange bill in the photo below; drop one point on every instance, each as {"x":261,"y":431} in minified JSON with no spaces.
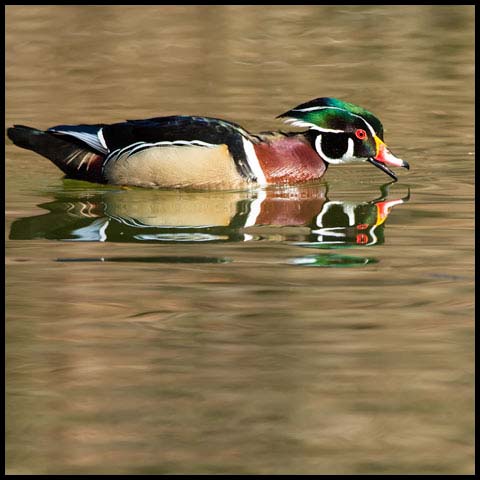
{"x":383,"y":209}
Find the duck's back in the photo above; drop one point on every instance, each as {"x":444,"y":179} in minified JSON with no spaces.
{"x":174,"y":151}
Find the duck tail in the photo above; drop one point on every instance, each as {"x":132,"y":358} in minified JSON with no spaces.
{"x":73,"y":157}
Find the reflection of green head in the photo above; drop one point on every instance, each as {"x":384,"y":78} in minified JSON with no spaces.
{"x":332,"y":114}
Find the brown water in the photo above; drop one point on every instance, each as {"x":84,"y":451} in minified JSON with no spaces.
{"x":280,"y":331}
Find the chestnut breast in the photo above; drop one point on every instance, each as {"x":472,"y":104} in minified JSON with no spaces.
{"x":289,"y":159}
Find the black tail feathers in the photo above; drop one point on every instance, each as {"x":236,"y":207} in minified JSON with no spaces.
{"x":23,"y":136}
{"x":72,"y":156}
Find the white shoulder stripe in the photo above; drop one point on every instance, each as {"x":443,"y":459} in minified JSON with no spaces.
{"x":253,"y":162}
{"x":102,"y":139}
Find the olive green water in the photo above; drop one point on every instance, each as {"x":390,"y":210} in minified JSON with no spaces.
{"x":318,"y":329}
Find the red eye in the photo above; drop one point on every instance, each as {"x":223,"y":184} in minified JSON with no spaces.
{"x":361,"y":134}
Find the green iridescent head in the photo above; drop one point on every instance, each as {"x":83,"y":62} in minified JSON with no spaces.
{"x":342,"y":132}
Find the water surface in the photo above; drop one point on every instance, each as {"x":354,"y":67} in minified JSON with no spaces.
{"x":324,"y":328}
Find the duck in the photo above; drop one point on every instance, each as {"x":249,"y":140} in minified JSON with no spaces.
{"x":196,"y":152}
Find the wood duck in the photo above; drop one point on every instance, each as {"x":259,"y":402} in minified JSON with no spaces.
{"x":202,"y":152}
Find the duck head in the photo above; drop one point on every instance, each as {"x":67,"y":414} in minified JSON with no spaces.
{"x":342,"y":133}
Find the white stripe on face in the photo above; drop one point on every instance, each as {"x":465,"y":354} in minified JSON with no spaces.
{"x":312,"y":109}
{"x":300,"y":123}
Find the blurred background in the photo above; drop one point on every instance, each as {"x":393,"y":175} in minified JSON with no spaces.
{"x":241,"y":349}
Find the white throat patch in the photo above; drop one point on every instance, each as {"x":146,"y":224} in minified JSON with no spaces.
{"x":347,"y":157}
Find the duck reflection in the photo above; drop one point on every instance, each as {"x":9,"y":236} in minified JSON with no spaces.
{"x":304,"y":215}
{"x":347,"y":223}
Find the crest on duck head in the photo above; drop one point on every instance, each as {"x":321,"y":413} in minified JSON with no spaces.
{"x":328,"y":114}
